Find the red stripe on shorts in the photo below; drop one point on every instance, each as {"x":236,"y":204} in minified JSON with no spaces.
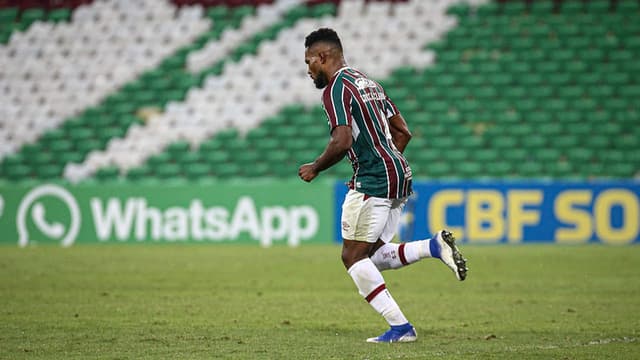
{"x":403,"y":259}
{"x":375,"y":292}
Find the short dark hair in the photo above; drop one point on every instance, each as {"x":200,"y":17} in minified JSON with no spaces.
{"x":323,"y":35}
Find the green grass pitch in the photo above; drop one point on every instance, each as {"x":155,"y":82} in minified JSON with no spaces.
{"x":245,"y":302}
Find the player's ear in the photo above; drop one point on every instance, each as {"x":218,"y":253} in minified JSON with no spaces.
{"x":323,"y":57}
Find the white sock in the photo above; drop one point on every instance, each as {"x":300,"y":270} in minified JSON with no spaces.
{"x":371,"y":286}
{"x":394,"y":256}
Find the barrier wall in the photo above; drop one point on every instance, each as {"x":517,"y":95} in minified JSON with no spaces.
{"x":250,"y":212}
{"x":521,"y":212}
{"x":294,"y":213}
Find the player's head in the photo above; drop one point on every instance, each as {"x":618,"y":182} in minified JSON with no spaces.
{"x":323,"y":53}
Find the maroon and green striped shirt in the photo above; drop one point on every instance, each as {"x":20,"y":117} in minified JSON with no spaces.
{"x":379,"y":169}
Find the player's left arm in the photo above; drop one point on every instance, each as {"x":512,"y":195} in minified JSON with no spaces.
{"x":336,"y":149}
{"x":400,"y":134}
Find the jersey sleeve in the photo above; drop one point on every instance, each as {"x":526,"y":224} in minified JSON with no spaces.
{"x":337,"y":104}
{"x":390,"y":107}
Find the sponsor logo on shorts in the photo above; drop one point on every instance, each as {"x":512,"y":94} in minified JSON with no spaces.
{"x":345,"y":226}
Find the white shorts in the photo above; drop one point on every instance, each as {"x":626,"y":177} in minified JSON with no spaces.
{"x":366,"y":218}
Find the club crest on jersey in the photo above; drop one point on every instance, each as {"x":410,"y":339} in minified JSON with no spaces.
{"x":363,"y":83}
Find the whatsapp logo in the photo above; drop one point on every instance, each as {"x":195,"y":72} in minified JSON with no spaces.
{"x":51,"y":212}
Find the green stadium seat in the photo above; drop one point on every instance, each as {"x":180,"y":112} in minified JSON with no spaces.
{"x":488,"y":10}
{"x":612,"y":156}
{"x":530,"y":169}
{"x":541,"y":91}
{"x":168,"y":171}
{"x":498,"y":169}
{"x":109,"y":133}
{"x":523,"y":129}
{"x":622,"y":170}
{"x":626,"y":7}
{"x":107,"y":173}
{"x":188,"y":158}
{"x":559,"y":169}
{"x":539,"y":117}
{"x":60,"y":146}
{"x":515,"y":7}
{"x":424,"y":155}
{"x":260,"y":169}
{"x":41,"y":159}
{"x":487,"y":155}
{"x":71,"y":156}
{"x":247,"y":157}
{"x":598,"y":7}
{"x":8,"y":15}
{"x":138,"y":173}
{"x":53,"y":135}
{"x":542,"y":7}
{"x":516,"y":155}
{"x":82,"y":133}
{"x":534,"y":141}
{"x":177,"y":149}
{"x":455,"y":155}
{"x":32,"y":15}
{"x":470,"y":169}
{"x":323,"y":9}
{"x":218,"y":13}
{"x":472,"y":143}
{"x":226,"y":171}
{"x":566,"y":141}
{"x":159,"y":160}
{"x":439,"y":169}
{"x":502,"y":142}
{"x":276,"y":157}
{"x":59,"y":15}
{"x":591,"y":170}
{"x":554,"y":105}
{"x":195,"y":171}
{"x":215,"y":157}
{"x":629,"y":142}
{"x":461,"y":10}
{"x":598,"y":142}
{"x":571,"y":6}
{"x":550,"y":154}
{"x":499,"y":80}
{"x":18,"y":172}
{"x":550,"y":128}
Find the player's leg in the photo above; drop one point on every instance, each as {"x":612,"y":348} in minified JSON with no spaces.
{"x":393,"y":256}
{"x":362,"y":223}
{"x":442,"y":246}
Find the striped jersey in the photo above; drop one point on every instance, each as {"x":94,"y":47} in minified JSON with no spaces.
{"x":379,"y":169}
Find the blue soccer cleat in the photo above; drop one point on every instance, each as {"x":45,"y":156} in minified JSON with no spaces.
{"x":400,"y":333}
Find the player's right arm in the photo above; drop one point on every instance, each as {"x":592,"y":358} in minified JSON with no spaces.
{"x":336,"y":100}
{"x":336,"y":149}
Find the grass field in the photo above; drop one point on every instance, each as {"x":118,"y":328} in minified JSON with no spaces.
{"x":243,"y":302}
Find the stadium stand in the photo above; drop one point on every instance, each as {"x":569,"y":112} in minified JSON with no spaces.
{"x":543,"y":89}
{"x":53,"y":71}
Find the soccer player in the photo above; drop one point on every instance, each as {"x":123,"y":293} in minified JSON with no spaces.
{"x":366,"y":126}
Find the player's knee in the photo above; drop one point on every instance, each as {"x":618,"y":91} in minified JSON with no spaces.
{"x":347,"y":258}
{"x":352,"y":252}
